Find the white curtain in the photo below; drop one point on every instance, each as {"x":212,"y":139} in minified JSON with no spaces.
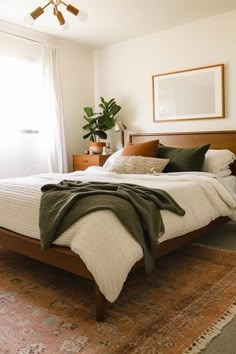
{"x":53,"y":109}
{"x":23,"y":149}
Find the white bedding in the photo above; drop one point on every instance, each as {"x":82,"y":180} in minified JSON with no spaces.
{"x":110,"y":255}
{"x":230,"y":183}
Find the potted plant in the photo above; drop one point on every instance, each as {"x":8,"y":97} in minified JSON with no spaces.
{"x":99,"y":123}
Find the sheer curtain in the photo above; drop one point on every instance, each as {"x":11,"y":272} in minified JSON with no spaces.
{"x":22,"y":148}
{"x":53,"y":109}
{"x":31,"y":112}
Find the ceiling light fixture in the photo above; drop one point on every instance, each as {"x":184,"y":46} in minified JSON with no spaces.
{"x":81,"y":14}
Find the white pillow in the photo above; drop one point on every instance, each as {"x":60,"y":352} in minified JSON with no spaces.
{"x":109,"y":162}
{"x":224,"y":173}
{"x":138,"y":165}
{"x":218,"y":160}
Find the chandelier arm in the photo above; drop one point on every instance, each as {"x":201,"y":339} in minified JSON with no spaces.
{"x":60,"y":18}
{"x":72,"y":9}
{"x":62,"y":2}
{"x":44,"y":7}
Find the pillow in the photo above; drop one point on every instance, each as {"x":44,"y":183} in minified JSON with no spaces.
{"x":138,"y":164}
{"x":218,"y":160}
{"x":224,"y":173}
{"x":148,"y":149}
{"x":111,"y":159}
{"x":183,"y":159}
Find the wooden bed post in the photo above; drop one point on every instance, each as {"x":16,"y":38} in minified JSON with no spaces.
{"x":100,"y":304}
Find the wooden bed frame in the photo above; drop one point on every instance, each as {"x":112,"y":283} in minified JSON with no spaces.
{"x":64,"y":258}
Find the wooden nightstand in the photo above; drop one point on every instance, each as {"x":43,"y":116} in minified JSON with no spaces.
{"x":81,"y":162}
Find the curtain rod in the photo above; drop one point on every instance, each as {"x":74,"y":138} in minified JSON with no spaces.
{"x":17,"y":35}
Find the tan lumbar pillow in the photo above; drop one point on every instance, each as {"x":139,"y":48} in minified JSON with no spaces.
{"x":138,"y":165}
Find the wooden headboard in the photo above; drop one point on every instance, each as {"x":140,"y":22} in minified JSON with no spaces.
{"x":225,"y":139}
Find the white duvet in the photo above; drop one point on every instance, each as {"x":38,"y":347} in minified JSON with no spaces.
{"x":102,"y":242}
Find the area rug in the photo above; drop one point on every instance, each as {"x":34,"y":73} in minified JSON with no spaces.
{"x":179,"y":308}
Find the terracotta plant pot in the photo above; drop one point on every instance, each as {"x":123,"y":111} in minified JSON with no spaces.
{"x":97,"y":147}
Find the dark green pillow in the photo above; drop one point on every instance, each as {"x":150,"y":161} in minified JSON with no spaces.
{"x":183,"y":159}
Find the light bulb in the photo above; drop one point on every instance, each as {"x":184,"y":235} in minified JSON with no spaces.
{"x":82,"y":15}
{"x":29,"y":19}
{"x":65,"y":26}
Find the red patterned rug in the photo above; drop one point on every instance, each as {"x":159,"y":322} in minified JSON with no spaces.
{"x":177,"y":309}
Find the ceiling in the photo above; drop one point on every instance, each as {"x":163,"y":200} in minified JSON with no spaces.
{"x":112,"y":21}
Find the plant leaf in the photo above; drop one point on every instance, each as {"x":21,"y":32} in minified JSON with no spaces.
{"x":115,"y":109}
{"x":86,"y":135}
{"x":101,"y":120}
{"x":110,"y":124}
{"x":102,"y":106}
{"x":86,"y":127}
{"x":89,"y":111}
{"x":92,"y":121}
{"x":111,"y":101}
{"x":101,"y":134}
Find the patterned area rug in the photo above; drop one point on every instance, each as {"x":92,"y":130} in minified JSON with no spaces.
{"x":191,"y":295}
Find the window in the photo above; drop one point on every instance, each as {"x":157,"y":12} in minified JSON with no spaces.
{"x":22,"y":147}
{"x":20,"y":92}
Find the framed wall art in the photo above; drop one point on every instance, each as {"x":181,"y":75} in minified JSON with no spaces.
{"x":196,"y":93}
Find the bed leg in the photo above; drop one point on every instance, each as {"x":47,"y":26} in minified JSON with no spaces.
{"x":100,"y":304}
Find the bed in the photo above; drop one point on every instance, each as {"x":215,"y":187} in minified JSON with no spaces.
{"x":64,"y":258}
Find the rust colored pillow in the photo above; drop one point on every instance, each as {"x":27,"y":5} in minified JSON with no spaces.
{"x":147,"y":149}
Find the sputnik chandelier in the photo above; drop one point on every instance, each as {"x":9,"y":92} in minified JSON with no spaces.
{"x":81,"y":14}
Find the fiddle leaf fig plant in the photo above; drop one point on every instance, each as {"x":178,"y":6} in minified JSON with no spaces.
{"x":99,"y":123}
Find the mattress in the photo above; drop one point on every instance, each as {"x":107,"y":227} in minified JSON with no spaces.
{"x":109,"y":256}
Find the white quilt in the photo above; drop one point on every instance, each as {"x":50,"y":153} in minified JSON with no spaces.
{"x":103,"y":243}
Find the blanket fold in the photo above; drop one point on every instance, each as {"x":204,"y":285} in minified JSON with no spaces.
{"x":138,"y":209}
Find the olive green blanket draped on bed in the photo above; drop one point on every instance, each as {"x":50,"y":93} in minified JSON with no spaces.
{"x":138,"y":209}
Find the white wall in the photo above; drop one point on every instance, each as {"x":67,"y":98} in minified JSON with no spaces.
{"x":77,"y":68}
{"x":125,"y":70}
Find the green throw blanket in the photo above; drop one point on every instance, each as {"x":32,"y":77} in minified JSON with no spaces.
{"x":138,"y":209}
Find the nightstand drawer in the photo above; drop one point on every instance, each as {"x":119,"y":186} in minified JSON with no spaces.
{"x":81,"y":162}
